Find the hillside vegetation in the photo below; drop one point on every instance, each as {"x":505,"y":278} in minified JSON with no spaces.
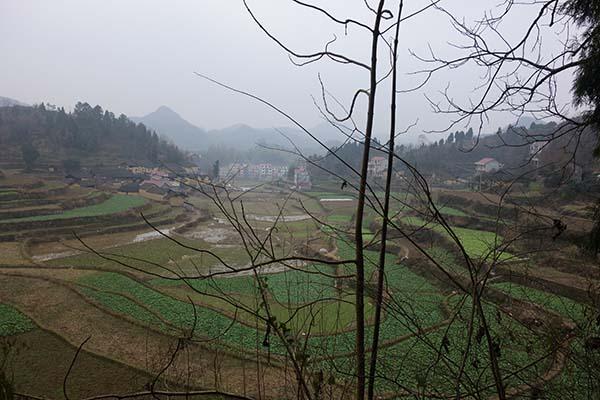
{"x":87,"y":134}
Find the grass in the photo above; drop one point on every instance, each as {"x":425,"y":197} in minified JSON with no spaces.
{"x":322,"y":194}
{"x":536,"y":187}
{"x":13,"y":322}
{"x":289,"y":287}
{"x":115,"y":204}
{"x":447,"y":260}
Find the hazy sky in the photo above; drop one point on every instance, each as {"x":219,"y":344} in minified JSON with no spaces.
{"x":131,"y":56}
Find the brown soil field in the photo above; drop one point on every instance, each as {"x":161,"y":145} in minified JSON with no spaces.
{"x":62,"y":311}
{"x":573,"y":223}
{"x":11,"y":254}
{"x":95,"y":241}
{"x":91,"y":375}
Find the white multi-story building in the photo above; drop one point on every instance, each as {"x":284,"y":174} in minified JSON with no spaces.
{"x":237,"y":170}
{"x":377,"y":167}
{"x":265,"y":171}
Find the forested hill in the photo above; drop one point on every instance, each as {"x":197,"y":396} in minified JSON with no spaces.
{"x":455,"y":155}
{"x":89,"y":135}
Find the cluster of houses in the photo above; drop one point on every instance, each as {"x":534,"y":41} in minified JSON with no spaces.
{"x":261,"y":172}
{"x":488,"y":164}
{"x":164,"y":183}
{"x":268,"y":172}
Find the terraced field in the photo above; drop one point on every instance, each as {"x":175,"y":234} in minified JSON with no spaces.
{"x":425,"y":324}
{"x":477,"y":243}
{"x":579,"y":379}
{"x":150,"y":306}
{"x":115,"y":204}
{"x":26,"y":350}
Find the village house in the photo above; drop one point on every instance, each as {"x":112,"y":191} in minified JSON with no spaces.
{"x":302,"y":179}
{"x":142,"y":168}
{"x":535,"y":151}
{"x":82,"y":178}
{"x":153,"y":192}
{"x":487,"y":165}
{"x":175,"y":198}
{"x":377,"y":167}
{"x":191,"y":170}
{"x":128,"y":188}
{"x":235,"y":170}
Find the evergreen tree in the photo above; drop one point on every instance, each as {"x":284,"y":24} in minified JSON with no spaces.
{"x":586,"y":86}
{"x":469,"y":135}
{"x":216,"y":170}
{"x":30,"y":155}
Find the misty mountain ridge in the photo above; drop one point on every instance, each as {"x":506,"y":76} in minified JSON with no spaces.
{"x":186,"y":135}
{"x":168,"y":123}
{"x":8,"y":102}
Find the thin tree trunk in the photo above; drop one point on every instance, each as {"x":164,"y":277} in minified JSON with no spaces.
{"x":360,"y":208}
{"x":386,"y":211}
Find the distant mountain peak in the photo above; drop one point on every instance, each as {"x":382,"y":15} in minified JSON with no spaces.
{"x":165,"y":110}
{"x":239,"y":126}
{"x":169,"y":123}
{"x":241,"y":136}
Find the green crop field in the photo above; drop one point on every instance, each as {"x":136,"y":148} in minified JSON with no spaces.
{"x":330,"y":316}
{"x":115,"y":204}
{"x":477,"y":243}
{"x":12,"y":322}
{"x":562,"y":305}
{"x":433,"y":360}
{"x":576,"y":381}
{"x":417,"y":305}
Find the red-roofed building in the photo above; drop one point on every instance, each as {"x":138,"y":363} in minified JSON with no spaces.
{"x":487,"y":165}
